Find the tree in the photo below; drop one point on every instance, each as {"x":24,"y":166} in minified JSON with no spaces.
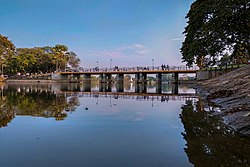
{"x":7,"y":50}
{"x":37,"y":59}
{"x":60,"y":56}
{"x":216,"y":29}
{"x":73,"y":61}
{"x":28,"y":59}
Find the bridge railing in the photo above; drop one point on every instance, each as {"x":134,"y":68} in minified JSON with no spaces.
{"x":141,"y":68}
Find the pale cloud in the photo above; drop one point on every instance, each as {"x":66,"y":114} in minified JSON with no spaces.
{"x":111,"y":54}
{"x":120,"y":52}
{"x":138,"y":46}
{"x":133,"y":50}
{"x":122,"y":56}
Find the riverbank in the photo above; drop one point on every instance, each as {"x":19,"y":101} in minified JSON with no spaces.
{"x":231,"y":92}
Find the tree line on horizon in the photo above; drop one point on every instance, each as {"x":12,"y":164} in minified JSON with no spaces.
{"x":217,"y":33}
{"x":35,"y":60}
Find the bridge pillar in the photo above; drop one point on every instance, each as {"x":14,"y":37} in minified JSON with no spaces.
{"x":120,"y":78}
{"x":87,"y":87}
{"x":76,"y":78}
{"x":105,"y":87}
{"x":141,"y":78}
{"x":87,"y":78}
{"x":105,"y":78}
{"x":101,"y":78}
{"x":158,"y":88}
{"x":159,"y":78}
{"x":175,"y":89}
{"x":70,"y":77}
{"x":119,"y":87}
{"x":176,"y":77}
{"x":140,"y":88}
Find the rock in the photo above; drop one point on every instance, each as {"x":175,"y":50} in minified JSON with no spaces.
{"x":230,"y":91}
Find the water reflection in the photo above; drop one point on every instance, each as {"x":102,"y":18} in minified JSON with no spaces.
{"x":209,"y":141}
{"x":117,"y":126}
{"x":34,"y":100}
{"x":56,"y":100}
{"x":128,"y":87}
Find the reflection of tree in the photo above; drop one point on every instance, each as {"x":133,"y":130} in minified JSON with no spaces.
{"x":209,"y":142}
{"x":128,"y":86}
{"x":6,"y":111}
{"x":34,"y":103}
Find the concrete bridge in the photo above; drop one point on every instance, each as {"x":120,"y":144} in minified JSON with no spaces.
{"x":105,"y":74}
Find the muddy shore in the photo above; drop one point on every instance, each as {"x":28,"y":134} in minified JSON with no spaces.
{"x":231,"y":93}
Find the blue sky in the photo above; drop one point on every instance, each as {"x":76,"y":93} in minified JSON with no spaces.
{"x":130,"y":32}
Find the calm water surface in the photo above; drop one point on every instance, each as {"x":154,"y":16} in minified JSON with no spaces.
{"x":74,"y":125}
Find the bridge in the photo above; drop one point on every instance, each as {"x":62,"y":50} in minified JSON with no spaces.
{"x":163,"y":97}
{"x":105,"y":74}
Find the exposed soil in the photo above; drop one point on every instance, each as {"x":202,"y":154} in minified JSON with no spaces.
{"x":231,"y":91}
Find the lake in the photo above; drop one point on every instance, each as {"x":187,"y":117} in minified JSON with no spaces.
{"x":76,"y":125}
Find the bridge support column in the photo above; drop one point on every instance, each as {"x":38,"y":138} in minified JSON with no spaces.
{"x":159,"y":78}
{"x":101,"y":78}
{"x":140,"y":88}
{"x":105,"y":87}
{"x":120,"y":78}
{"x":141,"y":78}
{"x":105,"y":78}
{"x":175,"y":89}
{"x":176,"y":78}
{"x":120,"y":87}
{"x":69,"y":77}
{"x":87,"y":87}
{"x":77,"y":78}
{"x":158,"y":88}
{"x":87,"y":78}
{"x":109,"y":78}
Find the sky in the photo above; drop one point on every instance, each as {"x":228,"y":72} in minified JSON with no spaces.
{"x":130,"y":32}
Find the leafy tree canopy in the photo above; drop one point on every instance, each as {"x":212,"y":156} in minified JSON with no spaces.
{"x":37,"y":59}
{"x":215,"y":29}
{"x":7,"y":49}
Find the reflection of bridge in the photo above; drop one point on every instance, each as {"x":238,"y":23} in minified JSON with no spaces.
{"x":131,"y":95}
{"x":108,"y":87}
{"x":105,"y":74}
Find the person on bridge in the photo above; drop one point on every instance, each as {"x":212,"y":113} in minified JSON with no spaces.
{"x":167,"y":67}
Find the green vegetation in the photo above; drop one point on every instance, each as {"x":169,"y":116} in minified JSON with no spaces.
{"x":35,"y":60}
{"x":35,"y":103}
{"x":217,"y":33}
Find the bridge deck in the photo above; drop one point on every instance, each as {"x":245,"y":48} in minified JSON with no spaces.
{"x":129,"y":72}
{"x":135,"y":70}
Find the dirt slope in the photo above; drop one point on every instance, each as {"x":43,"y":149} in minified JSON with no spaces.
{"x":231,"y":91}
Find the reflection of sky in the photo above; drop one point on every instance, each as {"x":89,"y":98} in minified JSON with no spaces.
{"x":103,"y":131}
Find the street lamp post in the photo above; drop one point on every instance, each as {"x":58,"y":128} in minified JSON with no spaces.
{"x":153,"y":61}
{"x":97,"y":64}
{"x":110,"y":63}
